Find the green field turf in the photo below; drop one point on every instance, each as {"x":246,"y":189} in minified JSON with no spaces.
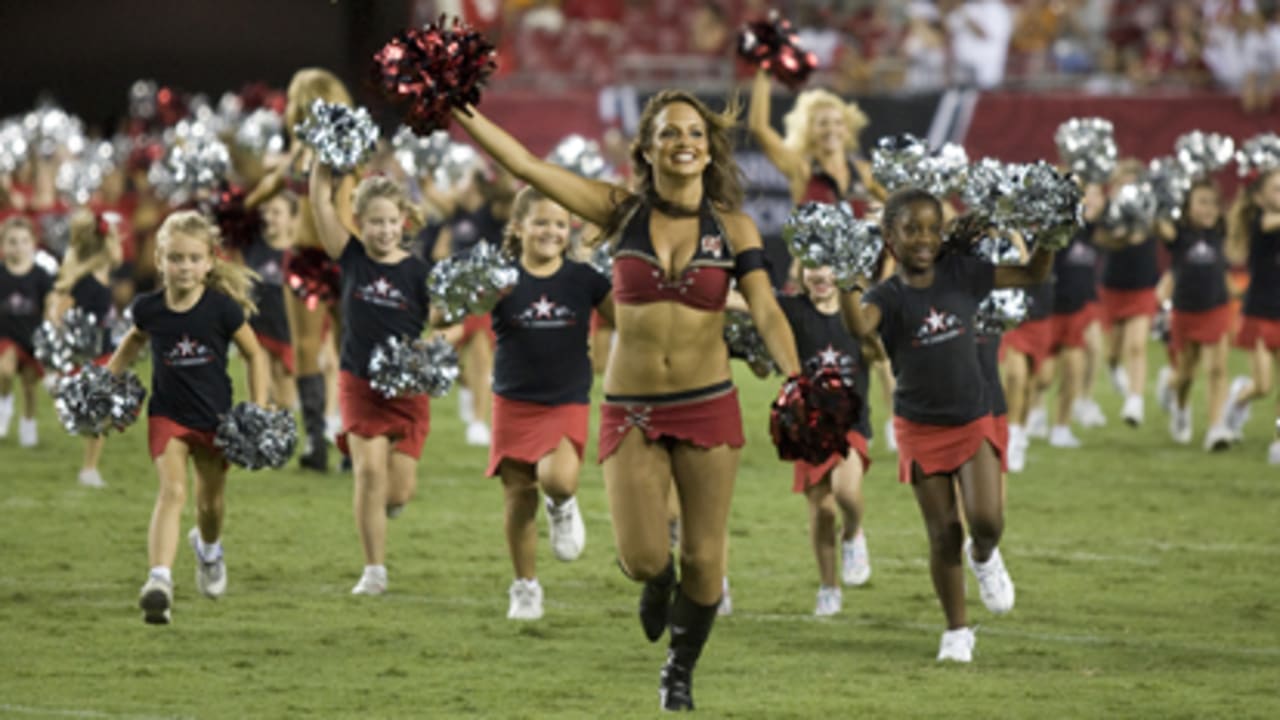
{"x":1145,"y":577}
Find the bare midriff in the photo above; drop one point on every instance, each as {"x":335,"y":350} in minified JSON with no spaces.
{"x":666,"y":347}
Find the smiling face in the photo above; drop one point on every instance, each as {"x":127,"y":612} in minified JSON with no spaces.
{"x":679,"y":144}
{"x":819,"y":283}
{"x":915,"y":234}
{"x":544,"y":232}
{"x":17,"y":247}
{"x":1202,"y":207}
{"x":381,"y":227}
{"x":828,"y":130}
{"x":277,"y":218}
{"x":184,"y":260}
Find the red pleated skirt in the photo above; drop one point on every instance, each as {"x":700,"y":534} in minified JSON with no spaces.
{"x":1033,"y":338}
{"x":25,"y":359}
{"x":1205,"y":328}
{"x":942,"y":449}
{"x":279,"y":350}
{"x":807,"y":475}
{"x":406,"y":421}
{"x":704,"y":421}
{"x":160,"y":430}
{"x":1069,"y":328}
{"x":1254,"y":328}
{"x":528,"y":432}
{"x":1118,"y":305}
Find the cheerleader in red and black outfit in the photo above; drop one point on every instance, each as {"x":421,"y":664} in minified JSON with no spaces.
{"x":1253,"y":235}
{"x":945,"y":430}
{"x":1075,"y":292}
{"x":541,"y":381}
{"x":1025,"y":350}
{"x":384,"y":295}
{"x":24,"y":287}
{"x":265,"y":255}
{"x":1201,"y":311}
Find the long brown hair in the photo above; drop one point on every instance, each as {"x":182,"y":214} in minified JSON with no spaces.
{"x":1243,"y":215}
{"x":231,"y":279}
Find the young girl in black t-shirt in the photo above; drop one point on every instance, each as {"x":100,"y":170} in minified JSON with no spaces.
{"x":945,"y":431}
{"x":24,"y":286}
{"x":265,"y":255}
{"x":384,"y":295}
{"x":84,"y":281}
{"x":541,"y":380}
{"x":190,"y":321}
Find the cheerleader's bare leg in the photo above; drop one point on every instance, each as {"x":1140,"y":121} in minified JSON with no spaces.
{"x":936,"y":496}
{"x":822,"y":529}
{"x":520,"y":512}
{"x":369,"y":457}
{"x":166,"y":516}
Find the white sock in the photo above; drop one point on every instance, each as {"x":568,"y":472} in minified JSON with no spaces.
{"x":209,"y":552}
{"x":528,"y":582}
{"x":376,"y":570}
{"x":161,"y":572}
{"x":6,"y":403}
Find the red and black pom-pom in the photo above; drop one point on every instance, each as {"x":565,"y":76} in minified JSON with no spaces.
{"x":428,"y":71}
{"x":313,"y":276}
{"x":772,"y":44}
{"x":812,"y":416}
{"x":239,"y":225}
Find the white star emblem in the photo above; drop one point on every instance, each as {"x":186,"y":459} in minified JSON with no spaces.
{"x":829,"y":356}
{"x":543,"y":307}
{"x":186,"y":346}
{"x":381,"y":286}
{"x":936,"y":321}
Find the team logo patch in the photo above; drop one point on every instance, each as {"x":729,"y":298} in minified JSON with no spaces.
{"x":188,"y":353}
{"x":712,"y":245}
{"x":938,"y":327}
{"x":546,"y":314}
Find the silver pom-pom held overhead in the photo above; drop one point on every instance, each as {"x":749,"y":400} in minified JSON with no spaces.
{"x":820,"y":234}
{"x":343,"y":137}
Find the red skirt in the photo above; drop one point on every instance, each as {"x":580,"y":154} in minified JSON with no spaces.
{"x":406,"y":420}
{"x":1033,"y":338}
{"x":1205,"y":328}
{"x":527,"y":432}
{"x":1118,"y":305}
{"x":1252,"y":330}
{"x":807,"y":475}
{"x":25,"y":359}
{"x":1069,"y":328}
{"x":160,"y":430}
{"x":706,"y":419}
{"x":941,"y":449}
{"x":473,"y":324}
{"x":279,"y":350}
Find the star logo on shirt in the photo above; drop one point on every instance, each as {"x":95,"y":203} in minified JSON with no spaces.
{"x":186,"y":347}
{"x":829,"y":355}
{"x":935,"y":321}
{"x":543,"y":307}
{"x":381,"y":286}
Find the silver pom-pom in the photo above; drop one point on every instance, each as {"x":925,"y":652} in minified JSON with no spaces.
{"x":1088,"y":147}
{"x":1132,"y":208}
{"x":66,"y":345}
{"x":261,"y":133}
{"x":906,"y":161}
{"x":1034,"y":199}
{"x":343,"y":137}
{"x":746,"y":343}
{"x":93,"y":401}
{"x":471,"y":284}
{"x":1258,"y":154}
{"x":120,"y":326}
{"x":1203,"y":153}
{"x":1001,"y":310}
{"x":78,"y":178}
{"x":49,"y":128}
{"x":399,"y":368}
{"x":825,"y":235}
{"x":581,"y":156}
{"x":13,"y":146}
{"x":190,"y":169}
{"x":55,"y":232}
{"x":602,"y":259}
{"x":253,"y":437}
{"x":420,"y":156}
{"x":142,"y":99}
{"x":460,"y":162}
{"x":46,"y":261}
{"x":1170,"y":181}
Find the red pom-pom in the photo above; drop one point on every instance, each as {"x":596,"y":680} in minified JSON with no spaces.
{"x":313,"y":276}
{"x":773,"y":45}
{"x":429,"y":71}
{"x":258,"y":95}
{"x":239,"y":225}
{"x":812,"y":416}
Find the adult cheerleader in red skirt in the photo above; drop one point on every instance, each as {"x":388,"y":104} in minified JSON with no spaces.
{"x":541,"y":381}
{"x":1253,"y":236}
{"x":670,"y":406}
{"x":833,"y":487}
{"x":1025,"y":349}
{"x":84,"y":281}
{"x":384,"y":295}
{"x":942,"y":407}
{"x":24,"y":287}
{"x":1075,"y":293}
{"x":1201,"y":311}
{"x":265,"y":255}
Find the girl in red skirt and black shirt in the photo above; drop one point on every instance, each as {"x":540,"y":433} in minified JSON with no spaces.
{"x":942,"y":406}
{"x":1253,"y":235}
{"x":1075,"y":294}
{"x":24,"y":286}
{"x":384,"y":295}
{"x":189,"y":323}
{"x":265,"y":256}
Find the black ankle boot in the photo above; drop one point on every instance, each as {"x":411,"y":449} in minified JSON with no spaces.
{"x":655,"y":602}
{"x":690,"y":627}
{"x":311,"y":397}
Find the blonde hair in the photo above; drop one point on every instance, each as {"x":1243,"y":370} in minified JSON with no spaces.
{"x":1243,"y":214}
{"x":520,"y":208}
{"x":796,"y":122}
{"x":87,"y":251}
{"x":307,"y":86}
{"x":231,"y":279}
{"x":380,"y":186}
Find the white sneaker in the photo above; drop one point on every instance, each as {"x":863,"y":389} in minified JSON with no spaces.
{"x":994,"y":584}
{"x":829,"y":602}
{"x":957,"y":645}
{"x":1237,"y":413}
{"x":332,"y":426}
{"x":91,"y":478}
{"x":1180,"y":425}
{"x":726,"y":600}
{"x":28,"y":435}
{"x":1273,"y":453}
{"x":1017,"y":449}
{"x":1133,"y":410}
{"x":466,"y":399}
{"x":568,"y":534}
{"x":1217,"y":439}
{"x":1119,"y":380}
{"x":211,"y":575}
{"x":477,"y":433}
{"x":156,"y":600}
{"x":855,"y":564}
{"x":1164,"y":389}
{"x":1087,"y":412}
{"x":1038,"y":423}
{"x":526,"y":600}
{"x":372,"y":582}
{"x":1062,"y":437}
{"x":6,"y":414}
{"x":890,"y":439}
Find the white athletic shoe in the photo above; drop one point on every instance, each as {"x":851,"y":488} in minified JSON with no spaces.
{"x":855,"y":564}
{"x":726,"y":600}
{"x":6,"y":414}
{"x":568,"y":534}
{"x":829,"y":602}
{"x":1119,"y":380}
{"x":372,"y":582}
{"x":890,"y":440}
{"x":1062,"y":437}
{"x":332,"y":426}
{"x":156,"y":600}
{"x":957,"y":645}
{"x":1180,"y":425}
{"x":994,"y":584}
{"x":1217,"y":439}
{"x":28,"y":435}
{"x":477,"y":433}
{"x":466,"y":399}
{"x":1037,"y":423}
{"x":1017,"y":449}
{"x":91,"y":478}
{"x":1164,"y":390}
{"x":1133,"y":411}
{"x":526,"y":600}
{"x":211,"y":575}
{"x":1087,"y":412}
{"x":1273,"y":453}
{"x":1237,"y":413}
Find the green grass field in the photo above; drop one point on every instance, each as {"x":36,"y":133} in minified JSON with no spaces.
{"x":1144,"y":574}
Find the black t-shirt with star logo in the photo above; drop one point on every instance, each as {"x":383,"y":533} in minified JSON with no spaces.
{"x":1075,"y":274}
{"x":542,"y":328}
{"x":189,"y":382}
{"x":92,"y":296}
{"x":268,"y":290}
{"x":379,"y":301}
{"x":22,"y":304}
{"x":1199,"y":269}
{"x":822,"y":341}
{"x":928,"y":333}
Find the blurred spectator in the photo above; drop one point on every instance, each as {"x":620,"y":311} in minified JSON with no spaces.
{"x":1035,"y":28}
{"x":924,"y":49}
{"x":709,"y":31}
{"x":979,"y":31}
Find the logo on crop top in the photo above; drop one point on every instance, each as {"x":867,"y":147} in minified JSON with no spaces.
{"x":188,"y":353}
{"x":382,"y":293}
{"x":1202,"y":253}
{"x":19,"y":304}
{"x":938,"y":327}
{"x":544,"y":314}
{"x":712,"y":245}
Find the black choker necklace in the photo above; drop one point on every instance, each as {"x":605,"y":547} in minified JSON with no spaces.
{"x":666,"y":207}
